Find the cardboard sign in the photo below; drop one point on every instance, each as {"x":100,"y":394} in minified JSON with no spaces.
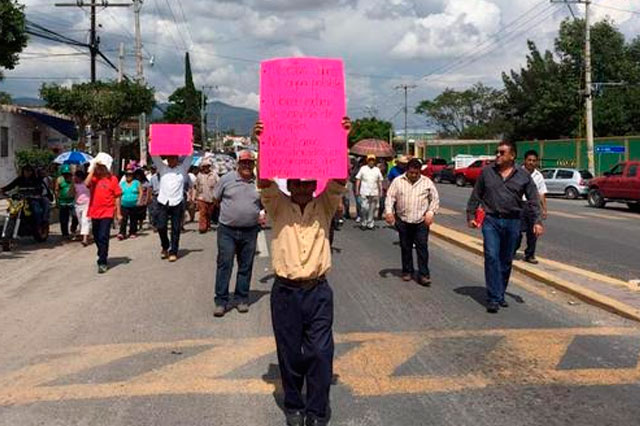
{"x":302,"y":103}
{"x":171,"y":139}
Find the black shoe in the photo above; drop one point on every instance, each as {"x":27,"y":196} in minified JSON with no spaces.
{"x":493,"y":308}
{"x":425,"y":281}
{"x":504,"y":304}
{"x":295,"y":418}
{"x":314,"y":421}
{"x":532,"y":260}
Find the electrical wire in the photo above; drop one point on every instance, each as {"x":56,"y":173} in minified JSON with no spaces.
{"x":635,"y":12}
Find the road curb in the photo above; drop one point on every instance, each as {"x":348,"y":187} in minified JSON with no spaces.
{"x":607,"y":303}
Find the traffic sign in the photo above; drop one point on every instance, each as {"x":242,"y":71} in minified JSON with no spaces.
{"x":610,"y":149}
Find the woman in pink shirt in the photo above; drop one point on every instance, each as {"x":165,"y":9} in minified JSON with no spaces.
{"x":83,"y":196}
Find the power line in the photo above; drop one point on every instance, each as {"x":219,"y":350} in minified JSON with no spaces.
{"x":635,"y":12}
{"x":175,"y":21}
{"x":184,"y":18}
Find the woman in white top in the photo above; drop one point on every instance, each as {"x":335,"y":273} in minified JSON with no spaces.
{"x":82,"y":198}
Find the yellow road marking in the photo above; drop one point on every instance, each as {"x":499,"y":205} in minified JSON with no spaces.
{"x":522,"y":357}
{"x":603,"y":216}
{"x":567,"y":215}
{"x":446,"y":211}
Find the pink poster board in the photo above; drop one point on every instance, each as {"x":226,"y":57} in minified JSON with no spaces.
{"x":171,"y":139}
{"x":302,"y":103}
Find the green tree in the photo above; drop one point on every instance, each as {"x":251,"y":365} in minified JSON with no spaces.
{"x":472,"y":113}
{"x":104,"y":105}
{"x":5,"y":98}
{"x":13,"y":37}
{"x":185,"y":104}
{"x":369,"y":128}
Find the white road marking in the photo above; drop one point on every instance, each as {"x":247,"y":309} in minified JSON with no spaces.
{"x":263,"y":247}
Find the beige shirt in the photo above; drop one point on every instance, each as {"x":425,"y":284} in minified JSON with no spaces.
{"x":205,"y":185}
{"x":412,"y":201}
{"x":300,"y":247}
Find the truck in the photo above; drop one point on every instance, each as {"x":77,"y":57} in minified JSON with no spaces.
{"x":432,"y":166}
{"x":620,"y":184}
{"x":472,"y":172}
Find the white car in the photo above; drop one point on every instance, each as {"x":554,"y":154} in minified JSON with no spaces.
{"x":571,"y":183}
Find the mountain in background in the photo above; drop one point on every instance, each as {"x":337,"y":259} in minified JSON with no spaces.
{"x":241,"y":120}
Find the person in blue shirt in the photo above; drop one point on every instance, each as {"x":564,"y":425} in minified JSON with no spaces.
{"x":131,"y":197}
{"x":399,"y":168}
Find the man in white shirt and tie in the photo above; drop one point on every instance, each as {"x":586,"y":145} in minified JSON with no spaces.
{"x":171,"y":202}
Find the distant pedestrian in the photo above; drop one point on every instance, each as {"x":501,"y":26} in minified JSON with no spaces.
{"x":81,"y":203}
{"x":499,"y":190}
{"x":104,"y":204}
{"x":240,"y":207}
{"x":190,"y":196}
{"x":356,"y":164}
{"x":206,"y":182}
{"x":301,"y":298}
{"x":399,"y":169}
{"x":528,"y":223}
{"x":411,"y":205}
{"x":173,"y":177}
{"x":64,"y":191}
{"x":368,"y":188}
{"x":154,"y":206}
{"x":382,"y":165}
{"x":131,"y":196}
{"x":145,"y":197}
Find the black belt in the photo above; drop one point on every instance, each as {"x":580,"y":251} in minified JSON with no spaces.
{"x":505,"y":215}
{"x":308,"y":283}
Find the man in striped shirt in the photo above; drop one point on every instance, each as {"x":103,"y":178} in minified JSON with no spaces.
{"x":416,"y":201}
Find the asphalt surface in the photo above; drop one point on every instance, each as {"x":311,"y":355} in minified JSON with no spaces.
{"x":139,"y":345}
{"x":602,"y":240}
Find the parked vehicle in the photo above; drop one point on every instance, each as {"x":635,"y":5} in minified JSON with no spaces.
{"x":433,"y":166}
{"x":571,"y":183}
{"x":465,"y":160}
{"x":23,"y":221}
{"x":620,"y":184}
{"x":471,"y":173}
{"x":447,"y":174}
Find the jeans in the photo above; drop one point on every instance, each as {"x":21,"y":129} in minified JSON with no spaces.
{"x":347,"y":205}
{"x":527,"y":228}
{"x":101,"y":229}
{"x":129,"y":215}
{"x":174,"y":214}
{"x":358,"y":203}
{"x":500,"y":239}
{"x":302,"y":321}
{"x":368,"y":210}
{"x":232,"y":242}
{"x":410,"y":234}
{"x":66,"y":212}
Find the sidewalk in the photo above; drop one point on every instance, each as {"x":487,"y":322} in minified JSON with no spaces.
{"x":611,"y":294}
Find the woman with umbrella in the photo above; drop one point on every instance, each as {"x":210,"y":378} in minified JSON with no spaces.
{"x":65,"y":190}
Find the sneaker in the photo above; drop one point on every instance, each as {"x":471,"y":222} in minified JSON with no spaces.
{"x":531,"y":260}
{"x":406,"y":277}
{"x":164,"y":254}
{"x":219,"y":311}
{"x":173,"y":258}
{"x":120,"y":237}
{"x":493,"y":308}
{"x":504,"y":304}
{"x":371,"y":227}
{"x":358,"y":219}
{"x":425,"y":281}
{"x":102,"y":269}
{"x":243,"y":307}
{"x":340,"y":221}
{"x":295,"y":418}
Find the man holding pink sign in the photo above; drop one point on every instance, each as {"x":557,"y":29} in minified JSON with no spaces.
{"x":303,"y":138}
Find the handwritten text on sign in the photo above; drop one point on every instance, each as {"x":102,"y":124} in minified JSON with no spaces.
{"x":171,"y":139}
{"x":302,"y":102}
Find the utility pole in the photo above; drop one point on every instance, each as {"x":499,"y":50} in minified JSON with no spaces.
{"x":142,"y":118}
{"x":588,"y":92}
{"x":121,"y":63}
{"x":94,"y":40}
{"x":203,"y":113}
{"x":406,"y":88}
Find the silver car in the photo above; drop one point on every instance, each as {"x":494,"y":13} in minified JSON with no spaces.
{"x":571,"y":183}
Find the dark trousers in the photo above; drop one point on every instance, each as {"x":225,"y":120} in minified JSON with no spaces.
{"x":66,"y":213}
{"x":302,"y":321}
{"x":129,"y":215}
{"x":526,"y":227}
{"x":347,"y":205}
{"x":500,"y":239}
{"x":101,"y":229}
{"x":410,"y":234}
{"x":174,"y":214}
{"x":235,"y":242}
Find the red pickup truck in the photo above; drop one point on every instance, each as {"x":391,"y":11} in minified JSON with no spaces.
{"x":471,"y":173}
{"x":620,"y":184}
{"x":433,"y":166}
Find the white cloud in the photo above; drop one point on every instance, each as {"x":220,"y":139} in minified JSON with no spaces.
{"x":463,"y":23}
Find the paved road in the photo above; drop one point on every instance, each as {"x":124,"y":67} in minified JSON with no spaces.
{"x":603,"y":240}
{"x":139,"y":346}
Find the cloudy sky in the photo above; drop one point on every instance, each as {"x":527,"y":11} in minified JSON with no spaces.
{"x":431,"y":44}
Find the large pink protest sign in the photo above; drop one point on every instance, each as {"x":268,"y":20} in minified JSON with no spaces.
{"x":171,"y":139}
{"x":302,"y":103}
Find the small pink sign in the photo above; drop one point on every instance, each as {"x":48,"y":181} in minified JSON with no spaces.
{"x":171,"y":139}
{"x":302,"y":103}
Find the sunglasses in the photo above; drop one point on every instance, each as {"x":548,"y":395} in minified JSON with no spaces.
{"x":501,"y":152}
